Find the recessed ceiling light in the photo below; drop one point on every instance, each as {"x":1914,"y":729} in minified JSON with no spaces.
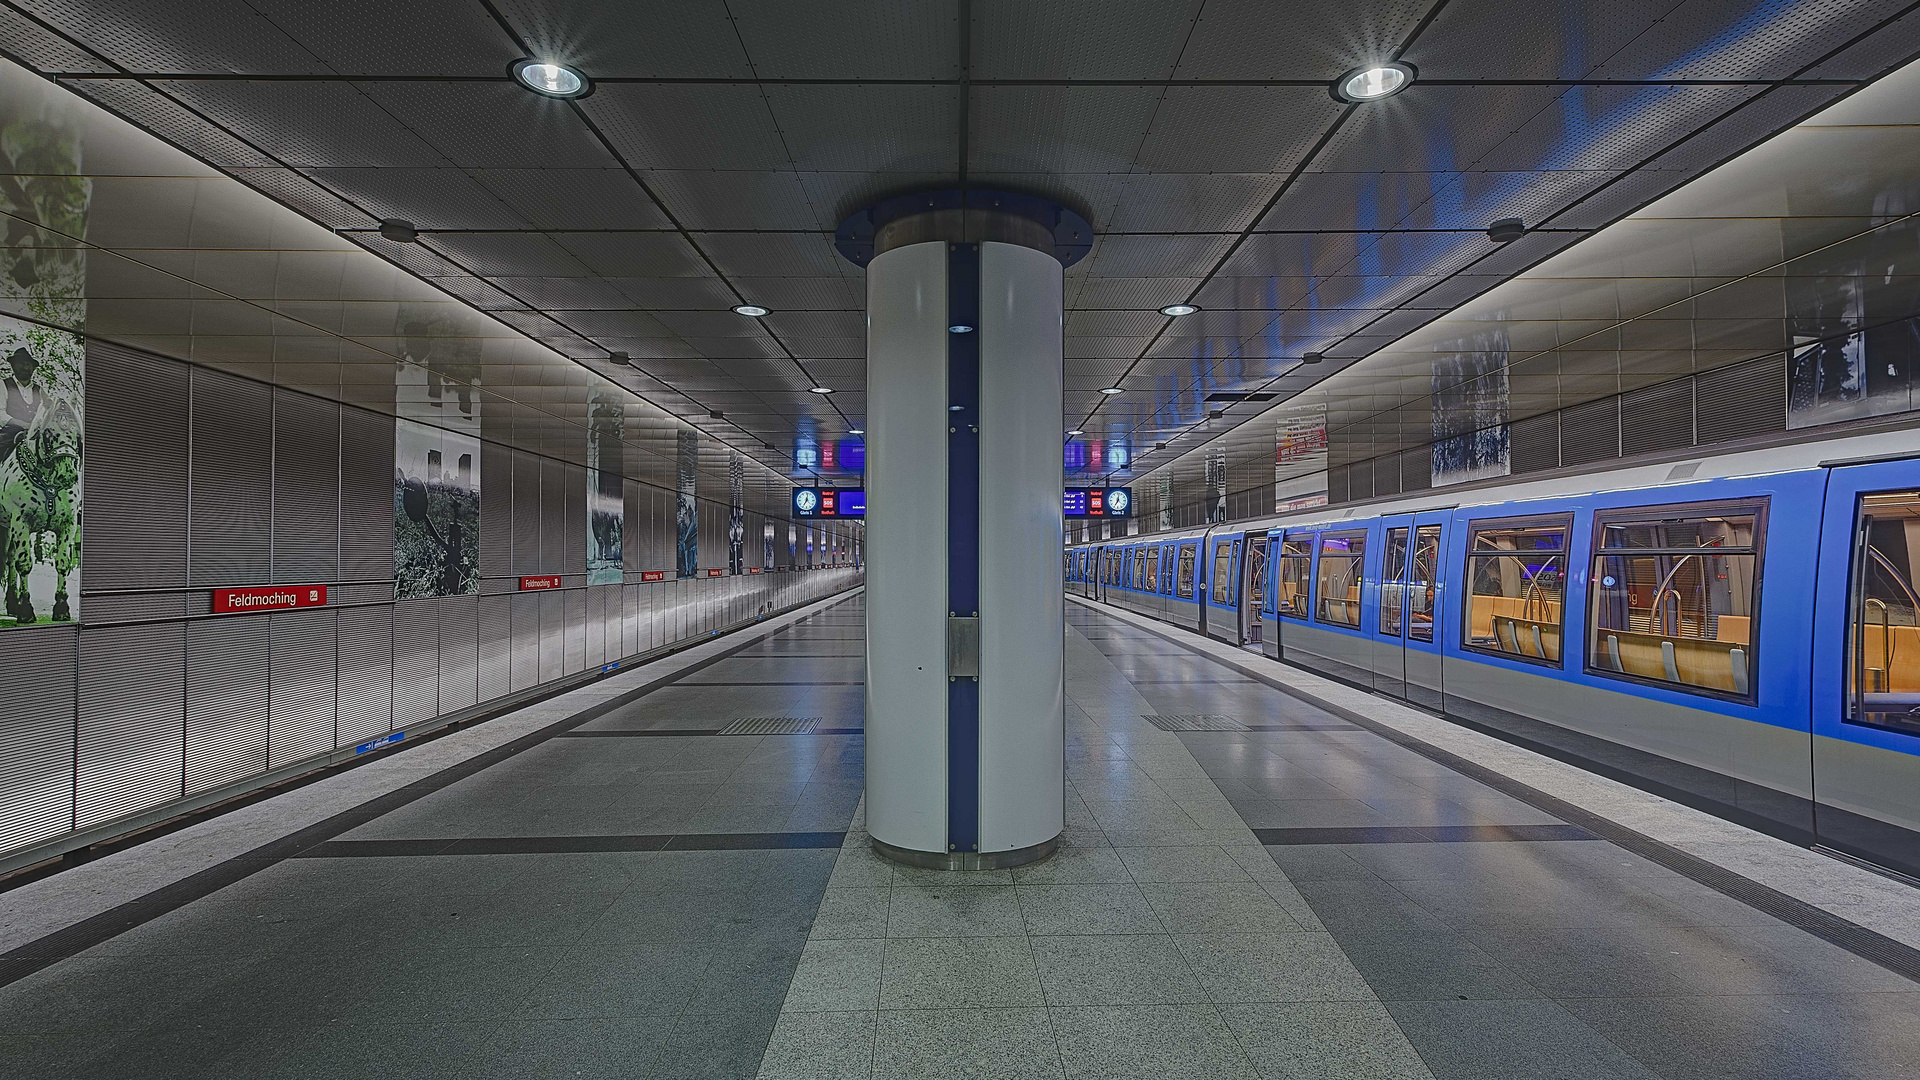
{"x":856,"y":431}
{"x":1373,"y":82}
{"x":399,"y":230}
{"x":956,"y":408}
{"x":1177,"y":310}
{"x":552,"y":80}
{"x":1506,"y":230}
{"x":819,"y":389}
{"x":751,"y":311}
{"x":1112,"y":390}
{"x":1313,"y":358}
{"x":958,"y":329}
{"x":1076,"y":431}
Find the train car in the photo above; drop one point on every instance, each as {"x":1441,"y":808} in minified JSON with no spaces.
{"x":1739,"y":632}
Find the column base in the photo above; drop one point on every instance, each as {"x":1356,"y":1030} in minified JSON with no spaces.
{"x":967,"y":860}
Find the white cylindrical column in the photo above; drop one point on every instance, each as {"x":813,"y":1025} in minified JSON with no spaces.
{"x":965,"y":623}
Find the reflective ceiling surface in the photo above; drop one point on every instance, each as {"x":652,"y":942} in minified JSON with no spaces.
{"x":723,"y":141}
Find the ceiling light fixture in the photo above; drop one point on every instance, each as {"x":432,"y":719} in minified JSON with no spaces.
{"x":1159,"y":446}
{"x":618,"y":357}
{"x":1373,"y":82}
{"x":1506,"y":230}
{"x":819,"y":389}
{"x":1177,"y":310}
{"x":856,"y":431}
{"x":399,"y":230}
{"x":550,"y":80}
{"x":751,"y":311}
{"x":1076,"y":431}
{"x":1313,"y":358}
{"x":1110,"y":390}
{"x":958,"y":329}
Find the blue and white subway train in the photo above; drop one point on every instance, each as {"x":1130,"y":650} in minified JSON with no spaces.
{"x":1739,"y":632}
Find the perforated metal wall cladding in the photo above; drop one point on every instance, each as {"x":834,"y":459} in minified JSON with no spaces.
{"x":197,"y":479}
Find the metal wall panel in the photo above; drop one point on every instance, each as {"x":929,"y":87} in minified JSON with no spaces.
{"x":496,"y":511}
{"x":36,"y":734}
{"x":524,"y":671}
{"x":574,"y":519}
{"x":301,"y":702}
{"x":596,"y":625}
{"x":365,"y":677}
{"x":575,"y":660}
{"x":306,"y":489}
{"x":554,"y":518}
{"x":553,"y":613}
{"x":231,"y":498}
{"x":416,"y":660}
{"x":496,"y":646}
{"x":134,"y":529}
{"x":526,"y":513}
{"x":459,"y":652}
{"x":630,"y":545}
{"x":226,"y":700}
{"x":129,"y":749}
{"x":366,"y":496}
{"x":1658,"y":417}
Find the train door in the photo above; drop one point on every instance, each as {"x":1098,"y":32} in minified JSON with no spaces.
{"x":1253,"y":588}
{"x":1221,"y":601}
{"x":1866,"y":665}
{"x":1423,"y":680}
{"x":1389,"y":632}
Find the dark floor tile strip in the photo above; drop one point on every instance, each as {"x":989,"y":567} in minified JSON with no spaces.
{"x":796,"y":682}
{"x":1301,"y":727}
{"x":840,"y":731}
{"x":638,"y":733}
{"x":42,"y":952}
{"x":1898,"y":957}
{"x":571,"y":845}
{"x":1420,"y":834}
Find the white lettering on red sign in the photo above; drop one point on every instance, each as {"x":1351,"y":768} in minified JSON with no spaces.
{"x":550,"y":581}
{"x":268,"y":598}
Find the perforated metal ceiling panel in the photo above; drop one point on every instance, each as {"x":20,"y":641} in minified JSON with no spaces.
{"x":723,"y":141}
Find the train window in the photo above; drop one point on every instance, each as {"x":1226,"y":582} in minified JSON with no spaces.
{"x":1296,"y":566}
{"x":1673,"y":595}
{"x":1423,"y":582}
{"x":1153,"y":570}
{"x":1517,"y":578}
{"x":1140,"y":569}
{"x":1883,"y":641}
{"x":1393,"y":581}
{"x":1222,"y":572}
{"x":1183,"y":577}
{"x":1257,"y":573}
{"x":1337,"y":592}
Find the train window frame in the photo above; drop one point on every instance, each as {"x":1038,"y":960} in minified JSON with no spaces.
{"x":1758,"y":508}
{"x":1220,"y":589}
{"x":1153,"y":568}
{"x":1392,"y":576}
{"x":1317,"y":606}
{"x":1279,"y":564}
{"x":1185,"y":562}
{"x":1475,"y":526}
{"x":1852,"y":707}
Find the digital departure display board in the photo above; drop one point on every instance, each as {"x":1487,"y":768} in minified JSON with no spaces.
{"x":811,"y":502}
{"x":1098,"y":502}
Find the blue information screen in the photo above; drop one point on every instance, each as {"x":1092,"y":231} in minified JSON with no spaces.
{"x":1075,"y":502}
{"x":853,"y":502}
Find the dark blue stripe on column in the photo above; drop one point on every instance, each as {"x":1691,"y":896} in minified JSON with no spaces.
{"x":963,"y":538}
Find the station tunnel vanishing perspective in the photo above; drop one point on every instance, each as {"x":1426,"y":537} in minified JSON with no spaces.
{"x":727,"y":539}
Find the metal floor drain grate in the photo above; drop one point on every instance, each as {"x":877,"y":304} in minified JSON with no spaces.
{"x":772,"y":725}
{"x":1194,"y":722}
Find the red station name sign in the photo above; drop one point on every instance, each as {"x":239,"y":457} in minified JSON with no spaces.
{"x":715,"y":573}
{"x":548,"y":581}
{"x":653,"y":575}
{"x":268,"y":598}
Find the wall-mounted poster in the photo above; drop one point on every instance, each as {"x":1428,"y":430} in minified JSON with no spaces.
{"x":42,"y":356}
{"x":436,"y":512}
{"x":606,"y":498}
{"x":686,"y":509}
{"x":41,"y":369}
{"x":1470,"y":410}
{"x":1866,"y":373}
{"x":736,"y":514}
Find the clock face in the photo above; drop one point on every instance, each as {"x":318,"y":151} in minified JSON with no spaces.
{"x":1117,"y":501}
{"x":806,"y":500}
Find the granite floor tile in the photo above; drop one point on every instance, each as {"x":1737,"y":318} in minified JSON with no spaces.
{"x":949,"y":973}
{"x":1114,"y":969}
{"x":975,"y":1044}
{"x":1087,"y":909}
{"x":1149,"y":1042}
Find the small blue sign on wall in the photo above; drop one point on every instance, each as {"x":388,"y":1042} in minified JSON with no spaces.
{"x":380,"y":743}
